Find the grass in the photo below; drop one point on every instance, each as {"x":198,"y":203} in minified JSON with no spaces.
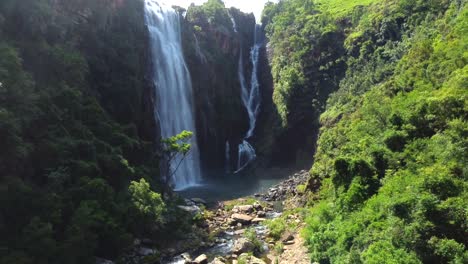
{"x":228,"y":205}
{"x":340,"y":8}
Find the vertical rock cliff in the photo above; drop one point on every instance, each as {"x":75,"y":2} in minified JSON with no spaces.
{"x":214,"y":37}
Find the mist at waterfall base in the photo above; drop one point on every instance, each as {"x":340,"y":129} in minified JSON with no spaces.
{"x":173,"y":107}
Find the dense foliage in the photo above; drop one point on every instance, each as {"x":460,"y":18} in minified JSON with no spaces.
{"x":76,"y":127}
{"x":392,"y":154}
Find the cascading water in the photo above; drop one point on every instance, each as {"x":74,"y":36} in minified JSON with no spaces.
{"x":251,"y":99}
{"x":227,"y":157}
{"x":233,"y":21}
{"x":173,"y":88}
{"x":200,"y":54}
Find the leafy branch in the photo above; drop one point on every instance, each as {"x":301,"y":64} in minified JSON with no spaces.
{"x":176,"y":146}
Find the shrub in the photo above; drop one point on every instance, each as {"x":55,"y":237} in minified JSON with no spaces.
{"x":277,"y":227}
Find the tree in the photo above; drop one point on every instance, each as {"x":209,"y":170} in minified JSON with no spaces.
{"x":146,"y":201}
{"x":177,"y":146}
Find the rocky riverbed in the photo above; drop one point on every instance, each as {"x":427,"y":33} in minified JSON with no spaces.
{"x":237,"y":229}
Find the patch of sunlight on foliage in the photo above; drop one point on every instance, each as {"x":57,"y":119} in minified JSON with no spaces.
{"x":146,"y":201}
{"x":339,"y":8}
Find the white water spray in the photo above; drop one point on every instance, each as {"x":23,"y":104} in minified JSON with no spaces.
{"x":233,"y":21}
{"x":173,"y":88}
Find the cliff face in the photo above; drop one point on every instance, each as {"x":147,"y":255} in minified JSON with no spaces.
{"x":212,"y":44}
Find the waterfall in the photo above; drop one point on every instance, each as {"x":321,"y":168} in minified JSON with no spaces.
{"x":228,"y":157}
{"x":200,"y":54}
{"x":173,"y":88}
{"x":254,"y":95}
{"x":233,"y":21}
{"x":251,"y":99}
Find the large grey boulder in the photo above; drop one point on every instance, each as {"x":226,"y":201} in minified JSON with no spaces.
{"x":242,"y":218}
{"x":242,"y":245}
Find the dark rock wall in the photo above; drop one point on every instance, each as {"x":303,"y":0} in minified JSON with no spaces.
{"x":212,"y":50}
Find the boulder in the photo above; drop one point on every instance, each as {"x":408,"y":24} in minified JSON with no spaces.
{"x":244,"y":208}
{"x":254,"y":260}
{"x":146,"y":251}
{"x":103,"y":261}
{"x":258,"y":220}
{"x":287,"y":237}
{"x":187,"y":258}
{"x":218,"y":260}
{"x":202,"y":259}
{"x":193,"y":210}
{"x":198,"y":201}
{"x":261,"y":214}
{"x":250,"y":259}
{"x":257,"y":206}
{"x":242,"y":245}
{"x":242,"y":218}
{"x":239,"y":232}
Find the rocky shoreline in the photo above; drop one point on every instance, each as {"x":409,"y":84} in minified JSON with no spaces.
{"x":236,"y":231}
{"x":237,"y":227}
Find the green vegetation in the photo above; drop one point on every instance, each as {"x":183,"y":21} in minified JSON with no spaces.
{"x":228,"y":205}
{"x":79,"y":161}
{"x":392,"y":154}
{"x":251,"y":235}
{"x":276,"y":227}
{"x":340,"y":8}
{"x":385,"y":82}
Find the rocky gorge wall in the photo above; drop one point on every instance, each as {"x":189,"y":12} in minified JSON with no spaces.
{"x":212,"y":46}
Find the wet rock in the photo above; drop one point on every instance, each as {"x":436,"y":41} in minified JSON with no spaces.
{"x":146,"y":251}
{"x":147,"y":242}
{"x":242,"y":218}
{"x":186,"y":257}
{"x":239,"y":232}
{"x":242,"y":245}
{"x":193,"y":210}
{"x":103,"y":261}
{"x":244,"y":208}
{"x":287,"y":187}
{"x":189,"y":202}
{"x":257,"y":206}
{"x":202,"y":259}
{"x":258,"y":220}
{"x":230,"y":222}
{"x":198,"y":201}
{"x":289,"y":242}
{"x":218,"y":260}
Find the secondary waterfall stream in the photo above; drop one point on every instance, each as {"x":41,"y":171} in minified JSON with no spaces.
{"x":251,"y":99}
{"x":173,"y":85}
